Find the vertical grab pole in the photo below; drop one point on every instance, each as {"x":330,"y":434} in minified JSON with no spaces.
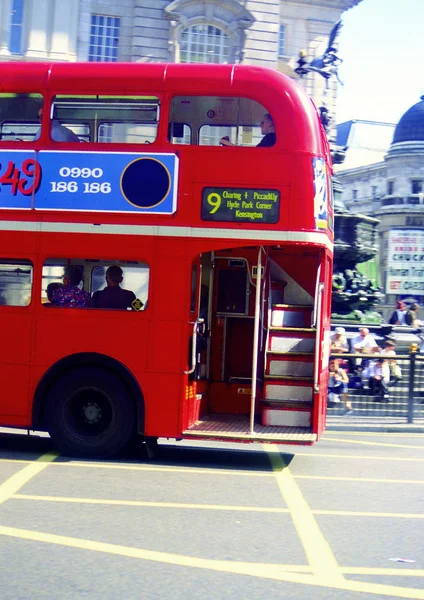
{"x":255,"y":341}
{"x":317,"y":336}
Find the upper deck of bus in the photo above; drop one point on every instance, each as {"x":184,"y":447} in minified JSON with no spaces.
{"x":286,"y":168}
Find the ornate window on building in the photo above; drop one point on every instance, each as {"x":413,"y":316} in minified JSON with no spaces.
{"x":104,"y":39}
{"x":390,"y":188}
{"x":16,"y":27}
{"x":204,"y":44}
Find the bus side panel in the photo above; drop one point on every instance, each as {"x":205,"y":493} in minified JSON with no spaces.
{"x":16,"y":324}
{"x":15,"y":358}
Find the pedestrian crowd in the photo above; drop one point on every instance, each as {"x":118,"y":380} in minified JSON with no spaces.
{"x":373,"y":368}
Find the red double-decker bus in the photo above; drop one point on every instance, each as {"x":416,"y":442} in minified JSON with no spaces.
{"x":196,"y":199}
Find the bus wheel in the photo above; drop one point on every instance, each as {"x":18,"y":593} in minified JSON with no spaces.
{"x":89,"y":412}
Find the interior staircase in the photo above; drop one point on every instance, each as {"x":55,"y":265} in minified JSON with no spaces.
{"x":289,"y":364}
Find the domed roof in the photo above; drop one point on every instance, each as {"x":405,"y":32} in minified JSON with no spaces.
{"x":411,"y":126}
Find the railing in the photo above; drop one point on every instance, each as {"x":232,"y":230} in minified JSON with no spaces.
{"x":406,"y":396}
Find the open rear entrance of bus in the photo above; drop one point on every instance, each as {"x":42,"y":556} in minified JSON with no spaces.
{"x":256,"y":357}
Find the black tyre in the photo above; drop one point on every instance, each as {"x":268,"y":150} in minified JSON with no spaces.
{"x":89,"y":412}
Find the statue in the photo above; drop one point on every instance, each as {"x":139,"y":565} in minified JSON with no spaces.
{"x":326,"y":65}
{"x":354,"y":297}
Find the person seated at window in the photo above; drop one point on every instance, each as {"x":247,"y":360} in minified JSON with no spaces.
{"x":113,"y":296}
{"x":71,"y":295}
{"x":59,"y":132}
{"x":55,"y":285}
{"x":267,"y":130}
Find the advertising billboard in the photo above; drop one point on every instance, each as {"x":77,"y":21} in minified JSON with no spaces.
{"x":405,"y":262}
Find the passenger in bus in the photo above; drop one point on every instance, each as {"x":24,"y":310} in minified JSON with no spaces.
{"x":113,"y":296}
{"x":59,"y":132}
{"x":71,"y":295}
{"x":55,"y":285}
{"x":267,"y":130}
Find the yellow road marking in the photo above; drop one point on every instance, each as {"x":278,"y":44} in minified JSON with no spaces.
{"x":358,"y":479}
{"x":16,"y":460}
{"x":291,"y":573}
{"x":225,"y":472}
{"x":346,"y":441}
{"x":358,"y":457}
{"x":399,"y":572}
{"x":19,"y":479}
{"x":353,"y":513}
{"x":154,"y":469}
{"x":319,"y":554}
{"x":258,"y":509}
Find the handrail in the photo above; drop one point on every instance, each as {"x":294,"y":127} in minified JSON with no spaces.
{"x":256,"y":341}
{"x":195,"y":324}
{"x":317,"y":334}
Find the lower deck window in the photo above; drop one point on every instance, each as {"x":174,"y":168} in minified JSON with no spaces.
{"x":98,"y":284}
{"x":15,"y":282}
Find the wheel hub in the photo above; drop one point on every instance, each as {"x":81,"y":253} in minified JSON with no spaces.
{"x":92,"y":412}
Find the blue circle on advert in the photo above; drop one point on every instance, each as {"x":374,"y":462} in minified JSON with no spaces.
{"x":145,"y":182}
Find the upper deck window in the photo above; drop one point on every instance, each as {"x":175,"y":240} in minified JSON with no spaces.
{"x":204,"y":44}
{"x":104,"y":39}
{"x":210,"y":118}
{"x":113,"y":119}
{"x":19,"y":116}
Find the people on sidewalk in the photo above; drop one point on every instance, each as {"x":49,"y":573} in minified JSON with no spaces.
{"x":394,"y":369}
{"x":338,"y":341}
{"x":399,"y":314}
{"x":363,"y":343}
{"x":378,"y":374}
{"x":412,"y":315}
{"x":338,"y":385}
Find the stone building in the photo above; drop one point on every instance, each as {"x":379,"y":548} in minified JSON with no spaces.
{"x":393,"y":191}
{"x":269,"y":33}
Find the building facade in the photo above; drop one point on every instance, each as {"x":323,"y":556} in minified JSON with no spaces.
{"x":269,"y":33}
{"x":393,"y":190}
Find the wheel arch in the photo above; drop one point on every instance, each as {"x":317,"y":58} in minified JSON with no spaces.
{"x":83,"y":360}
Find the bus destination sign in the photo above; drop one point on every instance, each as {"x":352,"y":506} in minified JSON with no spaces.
{"x":240,"y":205}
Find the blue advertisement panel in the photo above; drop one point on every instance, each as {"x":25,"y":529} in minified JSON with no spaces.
{"x":88,"y":181}
{"x":19,"y":178}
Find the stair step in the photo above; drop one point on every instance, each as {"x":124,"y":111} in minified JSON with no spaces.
{"x":290,"y":316}
{"x":289,"y":378}
{"x":296,"y":329}
{"x":282,"y":354}
{"x":282,"y":391}
{"x":293,"y":306}
{"x":291,"y":344}
{"x":295,"y":404}
{"x":283,"y":366}
{"x":286,"y":416}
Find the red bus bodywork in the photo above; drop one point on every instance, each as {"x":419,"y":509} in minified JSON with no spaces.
{"x":150,"y":352}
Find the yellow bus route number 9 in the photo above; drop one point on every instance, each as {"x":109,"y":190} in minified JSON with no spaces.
{"x":214,"y":200}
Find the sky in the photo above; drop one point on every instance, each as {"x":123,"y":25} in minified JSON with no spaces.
{"x":382,"y":47}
